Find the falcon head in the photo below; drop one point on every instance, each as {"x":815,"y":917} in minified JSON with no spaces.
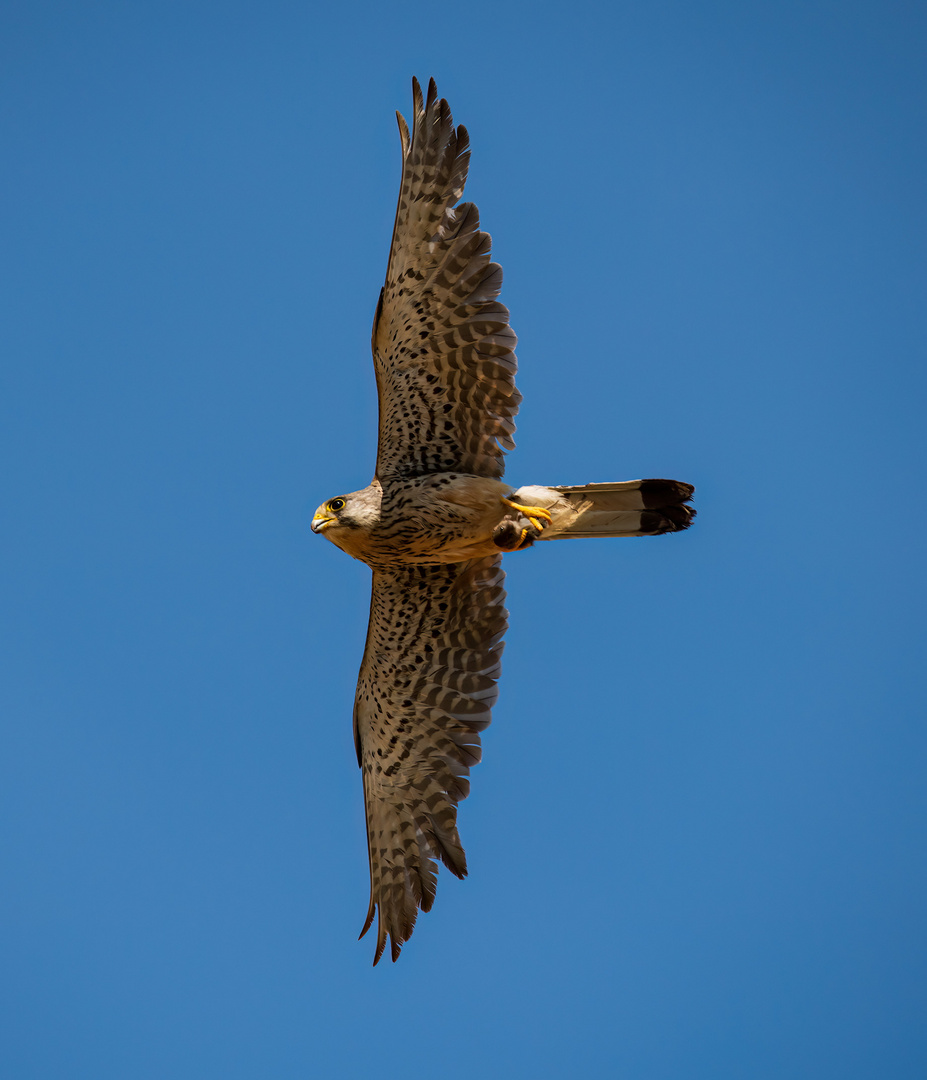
{"x":332,"y":514}
{"x":347,"y":518}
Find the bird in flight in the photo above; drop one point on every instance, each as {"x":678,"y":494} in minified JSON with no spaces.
{"x":436,"y":519}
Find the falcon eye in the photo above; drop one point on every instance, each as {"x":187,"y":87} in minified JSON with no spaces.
{"x":336,"y":505}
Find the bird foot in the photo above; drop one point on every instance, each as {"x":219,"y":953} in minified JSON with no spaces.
{"x":537,"y":515}
{"x":518,"y":531}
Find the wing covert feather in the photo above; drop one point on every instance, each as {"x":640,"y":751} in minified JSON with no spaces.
{"x":426,"y":688}
{"x":443,"y":349}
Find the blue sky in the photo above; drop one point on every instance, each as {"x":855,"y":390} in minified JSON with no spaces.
{"x":696,"y":841}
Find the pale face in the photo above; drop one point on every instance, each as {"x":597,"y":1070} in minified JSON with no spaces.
{"x":347,"y":520}
{"x":326,"y":516}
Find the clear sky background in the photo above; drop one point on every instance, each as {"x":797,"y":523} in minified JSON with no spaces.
{"x":696,"y":842}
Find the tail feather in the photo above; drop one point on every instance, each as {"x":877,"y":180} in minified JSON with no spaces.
{"x":631,"y":508}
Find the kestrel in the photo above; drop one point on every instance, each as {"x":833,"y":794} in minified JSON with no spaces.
{"x":436,"y":519}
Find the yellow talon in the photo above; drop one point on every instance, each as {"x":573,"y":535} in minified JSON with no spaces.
{"x":535,"y":514}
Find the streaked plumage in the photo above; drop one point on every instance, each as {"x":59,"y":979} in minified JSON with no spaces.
{"x":436,"y":518}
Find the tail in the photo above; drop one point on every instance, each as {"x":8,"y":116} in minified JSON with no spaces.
{"x":631,"y":508}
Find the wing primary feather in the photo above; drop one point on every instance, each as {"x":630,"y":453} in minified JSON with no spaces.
{"x":403,"y":134}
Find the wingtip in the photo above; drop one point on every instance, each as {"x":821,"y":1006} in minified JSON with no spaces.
{"x":381,"y":933}
{"x":381,"y":945}
{"x":368,"y":922}
{"x":403,"y":134}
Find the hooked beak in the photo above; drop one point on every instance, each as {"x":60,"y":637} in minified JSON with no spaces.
{"x":321,"y":522}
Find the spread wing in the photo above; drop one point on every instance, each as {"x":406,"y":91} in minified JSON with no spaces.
{"x":426,"y":686}
{"x":443,"y":350}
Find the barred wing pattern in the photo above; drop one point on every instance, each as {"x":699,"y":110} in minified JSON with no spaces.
{"x":443,"y":350}
{"x":426,"y":687}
